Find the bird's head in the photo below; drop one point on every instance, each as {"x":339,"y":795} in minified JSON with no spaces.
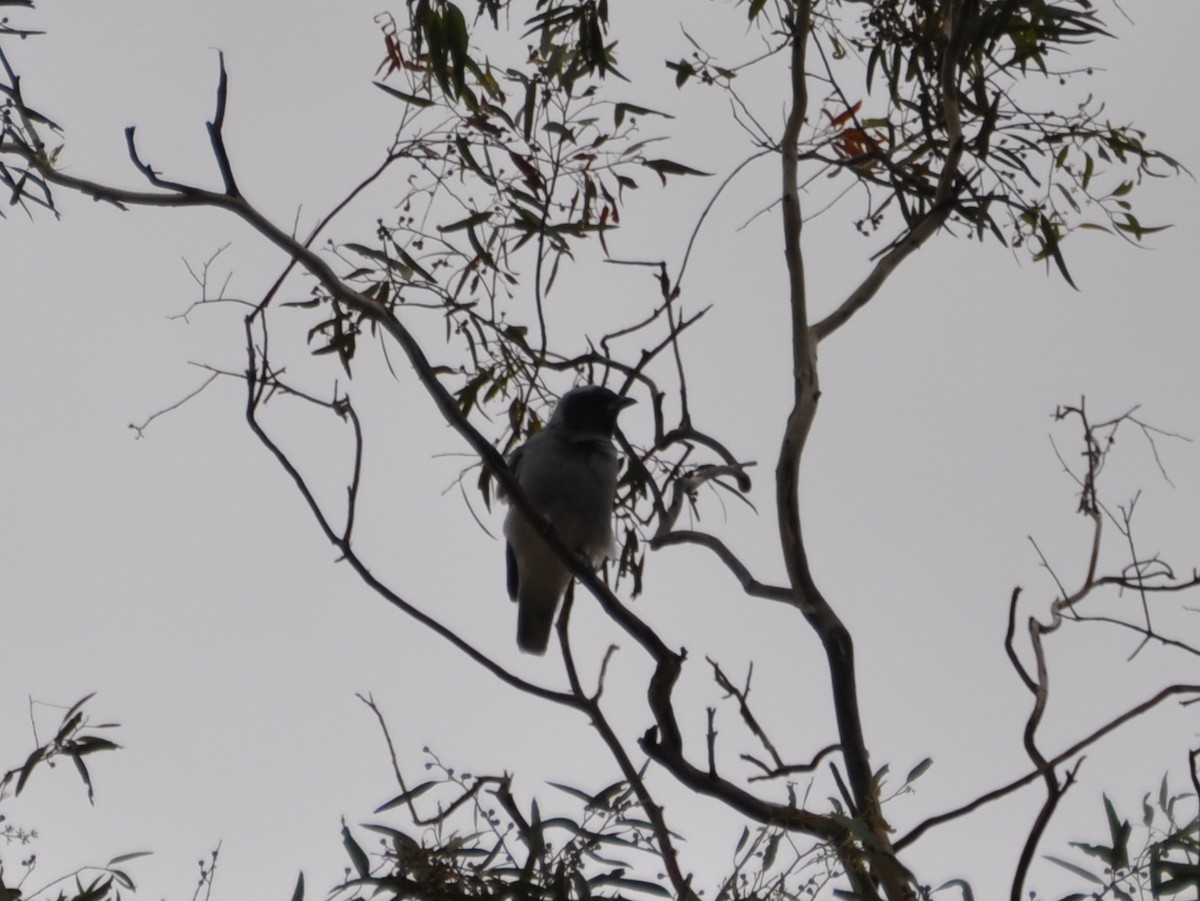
{"x":590,"y":410}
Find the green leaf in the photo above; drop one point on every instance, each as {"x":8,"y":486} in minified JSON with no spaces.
{"x":124,"y":858}
{"x":1171,"y":877}
{"x":374,"y":254}
{"x":457,"y":39}
{"x":683,"y":71}
{"x":96,"y":891}
{"x":358,"y":857}
{"x":122,"y":877}
{"x":528,"y":109}
{"x":464,"y":149}
{"x":470,"y":222}
{"x":962,"y":885}
{"x":83,"y":774}
{"x":33,"y":760}
{"x":90,"y":744}
{"x":1100,"y":852}
{"x":1066,"y":194}
{"x":480,"y":250}
{"x":77,"y":707}
{"x":669,"y":167}
{"x":772,"y":850}
{"x":1077,"y":870}
{"x":413,"y":99}
{"x":1120,"y":831}
{"x":638,"y":885}
{"x":564,"y":823}
{"x":412,"y":793}
{"x":622,"y":109}
{"x":918,"y":771}
{"x":1089,"y":169}
{"x":1132,"y":226}
{"x":1050,"y":248}
{"x":401,"y":841}
{"x":589,"y":800}
{"x":412,"y":263}
{"x":560,"y":131}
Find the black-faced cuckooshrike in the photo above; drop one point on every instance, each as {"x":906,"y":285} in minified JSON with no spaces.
{"x":568,"y":470}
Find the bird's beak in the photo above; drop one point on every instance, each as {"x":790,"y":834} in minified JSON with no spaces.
{"x":622,"y":402}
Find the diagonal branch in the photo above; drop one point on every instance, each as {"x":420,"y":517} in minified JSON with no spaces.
{"x":750,"y":585}
{"x":958,"y":16}
{"x":1063,"y":756}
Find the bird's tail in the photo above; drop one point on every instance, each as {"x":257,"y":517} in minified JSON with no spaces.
{"x":533,"y":628}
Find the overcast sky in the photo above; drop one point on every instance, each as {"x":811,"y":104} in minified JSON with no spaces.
{"x":181,"y":577}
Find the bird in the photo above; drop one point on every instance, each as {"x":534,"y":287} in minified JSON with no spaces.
{"x":568,"y":471}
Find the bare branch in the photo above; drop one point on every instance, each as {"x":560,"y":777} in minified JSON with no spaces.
{"x":1053,"y":797}
{"x":1057,"y":760}
{"x":742,"y":696}
{"x":1010,"y":649}
{"x":216,"y":133}
{"x":792,"y":769}
{"x":749,"y":584}
{"x":141,"y":429}
{"x":956,"y":18}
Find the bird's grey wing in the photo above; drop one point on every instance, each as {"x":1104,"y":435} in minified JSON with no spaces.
{"x":510,"y":556}
{"x":514,"y":461}
{"x":539,"y":579}
{"x":514,"y":574}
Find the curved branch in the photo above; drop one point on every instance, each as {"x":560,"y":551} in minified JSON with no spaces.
{"x":996,"y":794}
{"x":791,"y":769}
{"x":654,"y":811}
{"x":749,"y":584}
{"x":835,"y":637}
{"x":957,"y":17}
{"x":685,"y":487}
{"x":702,"y":781}
{"x":255,"y":387}
{"x":1010,"y":648}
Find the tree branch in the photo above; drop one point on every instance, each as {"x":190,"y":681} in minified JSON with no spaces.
{"x":995,"y":794}
{"x":956,"y":18}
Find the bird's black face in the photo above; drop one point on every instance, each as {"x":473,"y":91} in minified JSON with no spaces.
{"x":591,"y":410}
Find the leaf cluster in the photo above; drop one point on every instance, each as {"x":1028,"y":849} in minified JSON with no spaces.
{"x":71,"y":740}
{"x":950,"y":111}
{"x":74,"y":740}
{"x":1166,"y":864}
{"x":467,"y":837}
